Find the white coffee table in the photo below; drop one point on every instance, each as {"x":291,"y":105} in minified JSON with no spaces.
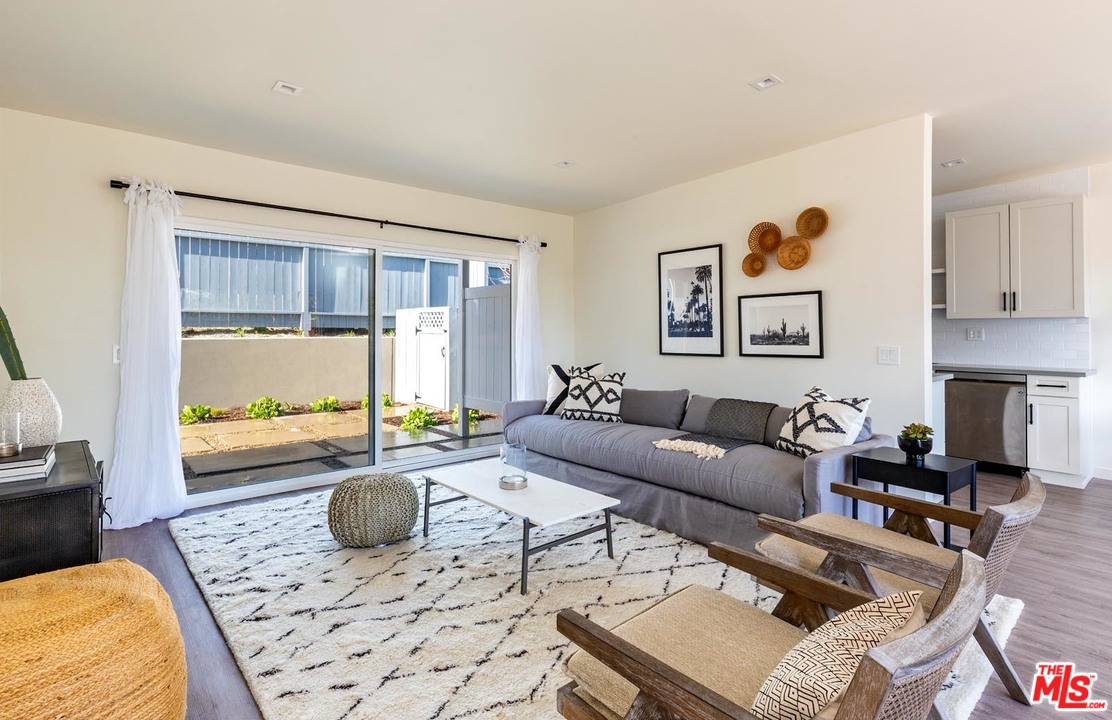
{"x":545,"y":502}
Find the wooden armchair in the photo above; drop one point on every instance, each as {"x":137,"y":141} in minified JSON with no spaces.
{"x":899,"y":678}
{"x":905,"y":554}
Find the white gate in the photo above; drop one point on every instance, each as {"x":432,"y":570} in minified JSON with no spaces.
{"x":421,"y":356}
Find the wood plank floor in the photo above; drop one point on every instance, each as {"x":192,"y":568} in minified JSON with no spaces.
{"x":1061,"y":571}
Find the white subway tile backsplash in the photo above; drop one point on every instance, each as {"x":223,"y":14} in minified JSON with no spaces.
{"x":1049,"y":343}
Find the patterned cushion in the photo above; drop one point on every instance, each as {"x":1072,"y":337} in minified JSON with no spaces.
{"x":820,"y":422}
{"x":558,"y":378}
{"x":594,"y":398}
{"x":820,"y":667}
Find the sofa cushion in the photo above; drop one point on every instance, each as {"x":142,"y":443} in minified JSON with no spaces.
{"x":656,"y":408}
{"x":695,"y":419}
{"x":747,"y":644}
{"x":738,"y":419}
{"x":558,"y":378}
{"x":594,"y":398}
{"x":754,"y":477}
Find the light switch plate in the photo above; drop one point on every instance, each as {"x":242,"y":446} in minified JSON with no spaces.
{"x":888,"y":355}
{"x":115,"y":354}
{"x":975,"y":334}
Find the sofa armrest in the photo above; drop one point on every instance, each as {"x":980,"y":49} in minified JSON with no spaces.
{"x":831,"y":466}
{"x":517,"y":409}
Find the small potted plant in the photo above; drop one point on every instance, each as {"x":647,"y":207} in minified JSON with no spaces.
{"x":915,"y":440}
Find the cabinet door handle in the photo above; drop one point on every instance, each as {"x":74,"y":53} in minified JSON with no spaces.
{"x":1013,"y":301}
{"x":1052,"y":385}
{"x":1005,"y":294}
{"x":1030,"y":413}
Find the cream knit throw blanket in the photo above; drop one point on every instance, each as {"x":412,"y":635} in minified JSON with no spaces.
{"x":703,"y":450}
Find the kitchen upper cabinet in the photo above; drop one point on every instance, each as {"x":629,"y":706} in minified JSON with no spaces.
{"x":1020,"y":260}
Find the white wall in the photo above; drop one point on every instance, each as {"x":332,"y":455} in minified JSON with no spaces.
{"x":1098,"y":249}
{"x":62,"y":235}
{"x":872,"y":266}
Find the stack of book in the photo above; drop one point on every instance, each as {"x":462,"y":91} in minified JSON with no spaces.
{"x":32,"y":463}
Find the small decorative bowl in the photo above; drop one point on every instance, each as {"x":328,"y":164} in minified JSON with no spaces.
{"x":513,"y":482}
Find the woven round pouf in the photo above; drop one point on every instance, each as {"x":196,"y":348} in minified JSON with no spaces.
{"x":94,"y":641}
{"x":368,"y":510}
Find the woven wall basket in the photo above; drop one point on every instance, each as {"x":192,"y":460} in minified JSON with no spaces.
{"x":793,"y":253}
{"x":764,"y":237}
{"x":812,"y":223}
{"x":753,"y":264}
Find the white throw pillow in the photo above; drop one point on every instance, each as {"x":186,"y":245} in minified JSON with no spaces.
{"x":558,"y":378}
{"x":820,"y":422}
{"x":594,"y":398}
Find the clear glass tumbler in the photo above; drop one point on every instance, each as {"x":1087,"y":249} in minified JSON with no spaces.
{"x":9,"y":434}
{"x":513,"y":457}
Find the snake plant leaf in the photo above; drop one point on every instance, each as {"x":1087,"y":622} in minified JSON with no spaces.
{"x":8,"y":350}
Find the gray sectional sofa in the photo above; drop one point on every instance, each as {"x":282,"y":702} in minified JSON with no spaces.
{"x":703,"y":500}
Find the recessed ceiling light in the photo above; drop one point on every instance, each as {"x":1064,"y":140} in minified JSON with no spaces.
{"x":954,"y":163}
{"x":284,"y":88}
{"x":565,"y":164}
{"x":765,"y":83}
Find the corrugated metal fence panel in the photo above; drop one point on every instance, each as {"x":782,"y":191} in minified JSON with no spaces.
{"x":487,"y":332}
{"x":443,"y":283}
{"x":403,"y":283}
{"x":224,"y":276}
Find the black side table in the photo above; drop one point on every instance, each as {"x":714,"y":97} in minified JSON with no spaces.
{"x":939,"y":474}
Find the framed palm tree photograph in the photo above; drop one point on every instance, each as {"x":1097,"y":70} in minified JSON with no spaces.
{"x":691,"y":301}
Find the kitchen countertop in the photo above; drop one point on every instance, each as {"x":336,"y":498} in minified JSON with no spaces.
{"x":1058,"y":372}
{"x":942,"y":376}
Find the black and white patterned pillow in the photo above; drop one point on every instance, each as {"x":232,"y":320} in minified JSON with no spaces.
{"x":820,"y":666}
{"x":820,"y":422}
{"x":594,"y":398}
{"x":558,"y":379}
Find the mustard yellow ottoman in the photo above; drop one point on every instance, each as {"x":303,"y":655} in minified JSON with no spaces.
{"x":96,"y":641}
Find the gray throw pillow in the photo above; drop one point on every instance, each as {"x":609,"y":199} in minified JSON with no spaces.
{"x":695,"y":419}
{"x":656,"y":408}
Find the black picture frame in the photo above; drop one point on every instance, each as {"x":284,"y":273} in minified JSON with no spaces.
{"x":760,"y":335}
{"x":692,"y":325}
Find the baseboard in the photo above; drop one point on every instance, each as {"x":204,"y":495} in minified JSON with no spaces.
{"x":1063,"y":479}
{"x":1102,"y":473}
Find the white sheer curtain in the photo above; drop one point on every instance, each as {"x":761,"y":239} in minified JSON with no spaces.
{"x":528,"y":370}
{"x":146,"y":479}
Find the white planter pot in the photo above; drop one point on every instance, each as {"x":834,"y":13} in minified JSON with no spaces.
{"x":40,"y":417}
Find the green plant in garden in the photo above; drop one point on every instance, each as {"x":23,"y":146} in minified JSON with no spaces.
{"x":192,"y":414}
{"x":386,"y":401}
{"x":418,"y":418}
{"x":263,"y":408}
{"x":916,"y":431}
{"x":328,"y":403}
{"x":9,"y":352}
{"x":241,"y":332}
{"x":472,"y":415}
{"x":365,"y":402}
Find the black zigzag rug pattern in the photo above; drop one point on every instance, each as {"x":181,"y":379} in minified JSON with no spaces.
{"x":428,"y":628}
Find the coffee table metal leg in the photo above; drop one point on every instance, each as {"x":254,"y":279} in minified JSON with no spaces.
{"x":609,"y":535}
{"x":428,"y":488}
{"x":525,"y":556}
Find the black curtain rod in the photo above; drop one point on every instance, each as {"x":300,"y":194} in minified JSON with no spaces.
{"x":120,"y":185}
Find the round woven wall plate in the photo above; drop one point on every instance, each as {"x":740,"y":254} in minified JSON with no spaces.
{"x":753,"y":264}
{"x":764,"y":237}
{"x":811,"y":223}
{"x":794,"y":253}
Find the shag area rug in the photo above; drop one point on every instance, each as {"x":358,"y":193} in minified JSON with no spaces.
{"x":436,"y":628}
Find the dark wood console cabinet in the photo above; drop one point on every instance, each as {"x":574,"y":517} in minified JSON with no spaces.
{"x":53,"y":523}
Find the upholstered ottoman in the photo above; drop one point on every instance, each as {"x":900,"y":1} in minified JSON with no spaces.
{"x":95,"y":641}
{"x":369,"y":510}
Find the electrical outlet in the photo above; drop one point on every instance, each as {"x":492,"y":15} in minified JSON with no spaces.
{"x":975,"y":334}
{"x":888,"y":355}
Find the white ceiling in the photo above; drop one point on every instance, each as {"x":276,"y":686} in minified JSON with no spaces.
{"x":482,"y":97}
